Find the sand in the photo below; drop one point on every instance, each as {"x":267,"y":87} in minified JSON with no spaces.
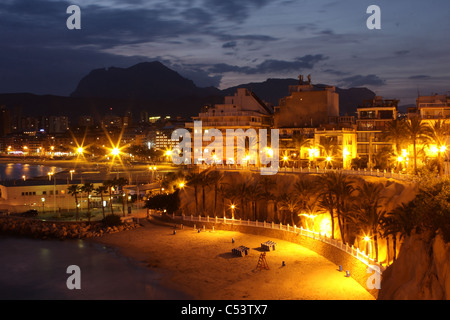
{"x":203,"y":266}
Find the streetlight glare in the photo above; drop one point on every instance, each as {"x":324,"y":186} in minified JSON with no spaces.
{"x":115,"y":151}
{"x":80,"y":150}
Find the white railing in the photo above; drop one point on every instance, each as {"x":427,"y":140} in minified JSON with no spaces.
{"x":372,"y":173}
{"x":355,"y":252}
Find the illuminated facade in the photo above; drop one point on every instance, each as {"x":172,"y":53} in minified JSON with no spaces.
{"x":372,"y":121}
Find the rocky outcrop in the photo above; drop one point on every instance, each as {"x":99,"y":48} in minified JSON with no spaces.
{"x":421,"y":272}
{"x":59,"y":230}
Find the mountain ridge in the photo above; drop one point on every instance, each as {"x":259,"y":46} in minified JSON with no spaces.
{"x":157,"y":89}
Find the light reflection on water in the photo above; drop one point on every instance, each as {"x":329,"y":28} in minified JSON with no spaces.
{"x":36,"y":270}
{"x":12,"y":171}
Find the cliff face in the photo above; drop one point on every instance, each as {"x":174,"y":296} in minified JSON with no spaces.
{"x":421,"y":272}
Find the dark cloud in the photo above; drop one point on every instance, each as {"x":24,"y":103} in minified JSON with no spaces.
{"x":359,"y":81}
{"x":420,"y":77}
{"x":230,"y":44}
{"x":335,"y":72}
{"x":234,"y":10}
{"x":271,"y":65}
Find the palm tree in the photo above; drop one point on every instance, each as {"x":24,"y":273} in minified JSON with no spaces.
{"x":336,"y":190}
{"x":291,"y":203}
{"x":100,"y":190}
{"x":266,"y":183}
{"x":396,"y":133}
{"x":214,"y":178}
{"x":254,"y":194}
{"x":437,"y":134}
{"x":120,"y":183}
{"x":204,"y":182}
{"x":401,"y":221}
{"x":243,"y":194}
{"x":368,"y":212}
{"x":228,"y":192}
{"x":416,"y":130}
{"x":329,"y":146}
{"x":193,"y":180}
{"x":87,"y":188}
{"x":109,"y":184}
{"x":343,"y":191}
{"x":326,"y":197}
{"x":300,"y":141}
{"x":310,"y":211}
{"x":303,"y":189}
{"x":73,"y":191}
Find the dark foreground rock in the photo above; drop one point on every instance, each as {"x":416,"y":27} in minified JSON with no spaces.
{"x":60,"y":230}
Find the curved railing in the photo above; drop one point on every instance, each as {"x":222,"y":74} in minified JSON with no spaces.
{"x":355,"y":252}
{"x":364,"y":172}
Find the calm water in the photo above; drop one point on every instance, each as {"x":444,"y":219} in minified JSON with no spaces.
{"x":11,"y":171}
{"x":36,"y":269}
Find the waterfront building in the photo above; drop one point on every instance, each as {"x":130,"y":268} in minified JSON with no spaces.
{"x":243,"y":110}
{"x":44,"y":195}
{"x":306,"y":106}
{"x":372,"y":122}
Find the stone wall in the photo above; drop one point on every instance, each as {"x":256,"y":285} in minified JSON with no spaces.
{"x":35,"y":228}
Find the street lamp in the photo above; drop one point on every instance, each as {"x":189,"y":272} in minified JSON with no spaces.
{"x":71,"y":174}
{"x":50,"y":174}
{"x":232,"y":206}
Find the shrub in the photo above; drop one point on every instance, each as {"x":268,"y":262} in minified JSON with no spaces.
{"x":112,"y":220}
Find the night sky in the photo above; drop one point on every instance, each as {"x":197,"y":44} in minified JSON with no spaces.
{"x":229,"y":42}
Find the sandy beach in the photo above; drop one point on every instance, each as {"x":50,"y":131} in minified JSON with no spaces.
{"x":203,"y":266}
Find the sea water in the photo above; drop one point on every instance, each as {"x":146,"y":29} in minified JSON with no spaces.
{"x":34,"y":269}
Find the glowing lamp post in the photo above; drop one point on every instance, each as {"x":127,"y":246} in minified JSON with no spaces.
{"x":71,"y":174}
{"x":232,"y":207}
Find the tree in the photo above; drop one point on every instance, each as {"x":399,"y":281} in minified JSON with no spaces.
{"x":194,"y":180}
{"x":168,"y":202}
{"x":369,"y":214}
{"x":326,"y":197}
{"x":310,"y":211}
{"x":303,"y":189}
{"x":214,"y":177}
{"x":396,"y":132}
{"x":242,"y":191}
{"x":266,"y":183}
{"x":87,"y":188}
{"x":336,"y":190}
{"x":300,"y":141}
{"x":437,"y":134}
{"x":100,"y":190}
{"x":120,"y":183}
{"x":73,"y":190}
{"x":398,"y":222}
{"x":291,"y":203}
{"x":109,"y":184}
{"x":254,"y":194}
{"x":416,"y":129}
{"x":329,"y":146}
{"x":228,"y":192}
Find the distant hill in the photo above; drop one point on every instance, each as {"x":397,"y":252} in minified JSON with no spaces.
{"x":155,"y":88}
{"x":143,"y":81}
